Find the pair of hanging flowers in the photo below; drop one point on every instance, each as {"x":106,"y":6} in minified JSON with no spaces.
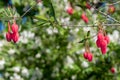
{"x":102,"y":41}
{"x":12,"y":33}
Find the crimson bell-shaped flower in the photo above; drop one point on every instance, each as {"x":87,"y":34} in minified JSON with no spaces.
{"x":103,"y":46}
{"x":8,"y":36}
{"x":98,"y":43}
{"x":90,"y":57}
{"x":113,"y":70}
{"x":14,"y":28}
{"x":70,"y":10}
{"x":100,"y":36}
{"x":107,"y":39}
{"x":111,"y":9}
{"x":85,"y":54}
{"x":103,"y":50}
{"x":84,"y":18}
{"x":88,"y":5}
{"x":15,"y":37}
{"x":103,"y":43}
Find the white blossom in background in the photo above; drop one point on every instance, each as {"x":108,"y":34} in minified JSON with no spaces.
{"x":71,"y":31}
{"x":16,"y":69}
{"x":25,"y":36}
{"x":76,"y":30}
{"x":11,"y":51}
{"x":65,"y":20}
{"x":69,"y":46}
{"x":93,"y":49}
{"x":6,"y":74}
{"x":25,"y":72}
{"x":24,"y":40}
{"x":40,"y":4}
{"x":114,"y":37}
{"x":94,"y":38}
{"x":115,"y":34}
{"x":2,"y":62}
{"x":73,"y":77}
{"x":80,"y":51}
{"x":92,"y":10}
{"x":55,"y":71}
{"x":65,"y":1}
{"x":69,"y":62}
{"x":48,"y":50}
{"x":55,"y":30}
{"x":16,"y":77}
{"x":37,"y":42}
{"x":49,"y":31}
{"x":95,"y":1}
{"x":37,"y":74}
{"x":87,"y":29}
{"x":84,"y":64}
{"x":38,"y":55}
{"x":30,"y":35}
{"x":57,"y":47}
{"x":2,"y":43}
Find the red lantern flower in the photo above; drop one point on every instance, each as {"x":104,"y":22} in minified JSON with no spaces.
{"x":85,"y":55}
{"x":15,"y":37}
{"x":14,"y":27}
{"x":102,"y":41}
{"x":111,"y":9}
{"x":90,"y":57}
{"x":8,"y":36}
{"x":70,"y":10}
{"x":88,"y":5}
{"x":107,"y":39}
{"x":84,"y":18}
{"x":113,"y":70}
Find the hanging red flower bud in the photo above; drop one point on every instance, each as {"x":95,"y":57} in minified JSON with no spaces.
{"x":15,"y":37}
{"x":90,"y":57}
{"x":85,"y":55}
{"x":84,"y":18}
{"x":107,"y":39}
{"x":88,"y":5}
{"x":111,"y":9}
{"x":98,"y":43}
{"x":70,"y":10}
{"x":103,"y":43}
{"x":100,"y":36}
{"x":14,"y":27}
{"x":103,"y":50}
{"x":103,"y":46}
{"x":113,"y":70}
{"x":8,"y":36}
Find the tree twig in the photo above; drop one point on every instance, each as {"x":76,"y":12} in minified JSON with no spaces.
{"x":90,"y":25}
{"x":28,"y":10}
{"x":107,"y":16}
{"x":113,"y":3}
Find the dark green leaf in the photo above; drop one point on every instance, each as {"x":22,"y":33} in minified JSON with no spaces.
{"x":51,"y":12}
